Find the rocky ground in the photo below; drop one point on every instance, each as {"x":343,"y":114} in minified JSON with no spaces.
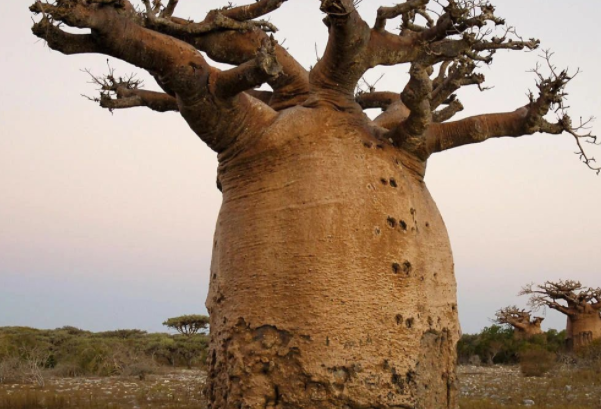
{"x":179,"y":389}
{"x":480,"y":387}
{"x":505,"y":385}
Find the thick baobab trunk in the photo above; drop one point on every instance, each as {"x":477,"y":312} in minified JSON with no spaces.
{"x":332,"y":281}
{"x":528,"y":331}
{"x":582,"y":329}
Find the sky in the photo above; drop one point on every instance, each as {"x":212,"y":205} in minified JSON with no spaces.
{"x":106,"y":220}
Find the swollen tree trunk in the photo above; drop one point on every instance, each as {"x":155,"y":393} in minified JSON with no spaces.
{"x":332,"y":279}
{"x":527,"y":332}
{"x":582,"y":329}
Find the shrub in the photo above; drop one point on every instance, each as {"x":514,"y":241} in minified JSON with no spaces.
{"x":27,"y":353}
{"x":589,"y":358}
{"x":10,"y":370}
{"x":536,"y":362}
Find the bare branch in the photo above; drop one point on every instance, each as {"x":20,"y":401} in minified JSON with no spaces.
{"x":250,"y":74}
{"x":218,"y":118}
{"x":524,"y":121}
{"x":126,"y":92}
{"x":216,"y":20}
{"x":168,"y":11}
{"x":447,"y":112}
{"x":237,"y":47}
{"x":416,"y":97}
{"x":579,"y":299}
{"x":460,"y":73}
{"x":375,"y":99}
{"x":519,"y":319}
{"x":388,"y":13}
{"x":62,"y":41}
{"x":252,"y":11}
{"x":339,"y":70}
{"x":395,"y":114}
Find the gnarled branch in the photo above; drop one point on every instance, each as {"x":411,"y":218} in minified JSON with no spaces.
{"x":126,"y":92}
{"x":237,"y":43}
{"x":579,"y":299}
{"x":375,"y":99}
{"x":218,"y":117}
{"x":338,"y":71}
{"x":526,"y":120}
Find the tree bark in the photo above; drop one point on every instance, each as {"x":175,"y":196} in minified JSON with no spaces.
{"x":332,"y":281}
{"x":527,"y":332}
{"x":582,"y":329}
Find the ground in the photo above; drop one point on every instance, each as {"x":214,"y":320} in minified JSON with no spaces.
{"x":177,"y":389}
{"x":495,"y":387}
{"x":503,"y":387}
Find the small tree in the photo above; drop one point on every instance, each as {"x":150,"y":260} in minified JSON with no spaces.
{"x":493,"y":340}
{"x":524,"y":326}
{"x":188,"y":325}
{"x":191,"y":345}
{"x":582,"y":305}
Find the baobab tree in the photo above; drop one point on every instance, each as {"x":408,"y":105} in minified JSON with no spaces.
{"x":524,"y":326}
{"x":582,"y":305}
{"x":332,"y":282}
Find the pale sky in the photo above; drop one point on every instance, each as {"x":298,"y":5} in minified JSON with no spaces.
{"x":106,"y":221}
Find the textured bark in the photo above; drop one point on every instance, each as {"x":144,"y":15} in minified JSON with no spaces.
{"x":529,"y":331}
{"x":582,"y":329}
{"x":331,"y":286}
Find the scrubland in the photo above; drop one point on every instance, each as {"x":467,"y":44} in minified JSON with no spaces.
{"x":129,"y":369}
{"x":481,"y":387}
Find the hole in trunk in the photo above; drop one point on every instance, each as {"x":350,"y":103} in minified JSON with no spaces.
{"x":393,"y":182}
{"x":391,"y":222}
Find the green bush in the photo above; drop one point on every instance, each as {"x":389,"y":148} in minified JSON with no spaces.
{"x":496,"y":344}
{"x":70,"y":351}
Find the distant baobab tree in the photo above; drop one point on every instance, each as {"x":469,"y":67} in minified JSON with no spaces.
{"x":582,"y":305}
{"x":332,"y":282}
{"x":523,"y":324}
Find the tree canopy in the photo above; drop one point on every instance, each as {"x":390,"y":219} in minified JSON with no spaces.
{"x":188,"y":324}
{"x":444,"y":45}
